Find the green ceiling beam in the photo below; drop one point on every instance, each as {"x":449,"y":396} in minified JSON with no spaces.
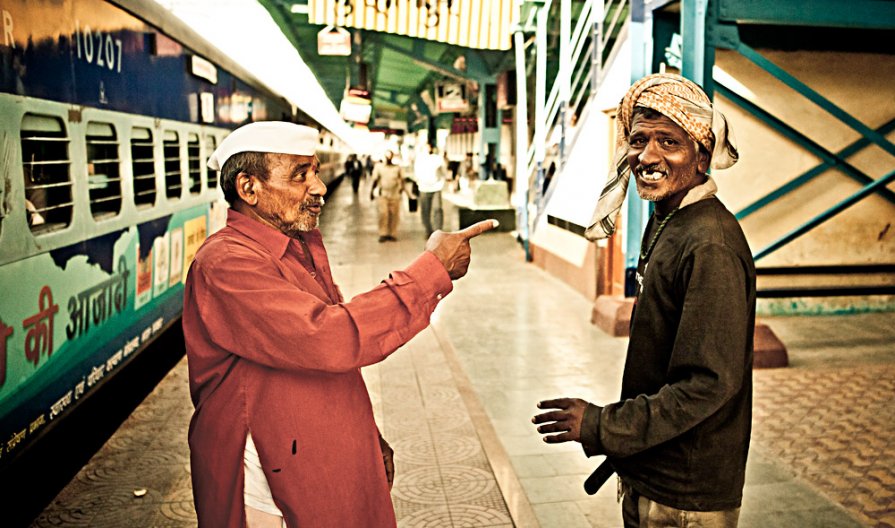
{"x":420,"y":60}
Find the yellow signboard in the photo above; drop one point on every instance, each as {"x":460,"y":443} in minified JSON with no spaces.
{"x":482,"y":24}
{"x":194,"y":233}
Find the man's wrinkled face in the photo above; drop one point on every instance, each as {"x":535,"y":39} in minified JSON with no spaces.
{"x":291,"y":199}
{"x":665,"y":161}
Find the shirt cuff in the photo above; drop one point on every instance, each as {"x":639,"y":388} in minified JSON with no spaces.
{"x":431,"y":275}
{"x":590,"y":430}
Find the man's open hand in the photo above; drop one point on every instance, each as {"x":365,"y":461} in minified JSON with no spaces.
{"x":566,"y":421}
{"x":452,"y":248}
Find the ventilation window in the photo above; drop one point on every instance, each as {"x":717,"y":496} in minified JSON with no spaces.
{"x":103,"y":170}
{"x":211,"y":143}
{"x":143,"y":165}
{"x":194,"y":163}
{"x":48,"y":195}
{"x":173,"y":179}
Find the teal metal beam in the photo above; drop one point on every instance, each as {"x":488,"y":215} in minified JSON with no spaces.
{"x":830,"y":160}
{"x":868,"y":14}
{"x":810,"y":175}
{"x":815,"y":97}
{"x":826,"y":215}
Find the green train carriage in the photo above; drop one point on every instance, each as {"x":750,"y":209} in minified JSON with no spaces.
{"x":108,"y":113}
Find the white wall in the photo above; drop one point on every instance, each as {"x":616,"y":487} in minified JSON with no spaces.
{"x":588,"y":162}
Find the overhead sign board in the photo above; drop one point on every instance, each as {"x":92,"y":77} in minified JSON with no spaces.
{"x":333,"y":40}
{"x":358,"y":113}
{"x":203,"y":68}
{"x":450,"y":96}
{"x":356,"y":106}
{"x":481,"y":24}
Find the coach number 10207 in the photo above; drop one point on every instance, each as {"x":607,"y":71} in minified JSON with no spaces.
{"x":98,"y":48}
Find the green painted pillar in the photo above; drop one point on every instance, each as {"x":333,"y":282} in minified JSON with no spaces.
{"x":638,"y":212}
{"x":698,"y":57}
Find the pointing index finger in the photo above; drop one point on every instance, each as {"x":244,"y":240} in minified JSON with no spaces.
{"x":478,"y":228}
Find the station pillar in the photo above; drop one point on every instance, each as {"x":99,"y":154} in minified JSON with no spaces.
{"x":488,"y":114}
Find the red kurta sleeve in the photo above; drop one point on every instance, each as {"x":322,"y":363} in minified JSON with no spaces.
{"x":251,"y":307}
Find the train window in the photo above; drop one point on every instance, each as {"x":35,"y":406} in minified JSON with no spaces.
{"x":48,"y":196}
{"x":143,"y":164}
{"x":103,"y":170}
{"x":211,"y":143}
{"x":194,"y":163}
{"x":173,"y":180}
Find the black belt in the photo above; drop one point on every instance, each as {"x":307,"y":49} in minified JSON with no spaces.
{"x":599,"y":477}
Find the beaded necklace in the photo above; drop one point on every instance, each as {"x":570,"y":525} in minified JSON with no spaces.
{"x":644,"y":255}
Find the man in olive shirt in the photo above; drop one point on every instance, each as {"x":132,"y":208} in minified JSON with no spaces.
{"x":679,"y":436}
{"x":389,"y":179}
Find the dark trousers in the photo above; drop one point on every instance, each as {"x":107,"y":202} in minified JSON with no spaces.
{"x":431,"y":211}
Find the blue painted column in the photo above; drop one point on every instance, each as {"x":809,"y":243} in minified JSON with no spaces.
{"x":697,"y":59}
{"x":641,"y":37}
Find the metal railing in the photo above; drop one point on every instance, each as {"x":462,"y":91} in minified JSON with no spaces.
{"x":600,"y":26}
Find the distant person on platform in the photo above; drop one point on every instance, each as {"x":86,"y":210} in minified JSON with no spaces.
{"x":283,"y":431}
{"x":679,"y":436}
{"x":368,"y":166}
{"x":354,"y":169}
{"x":430,"y":172}
{"x":388,"y":179}
{"x":469,"y":173}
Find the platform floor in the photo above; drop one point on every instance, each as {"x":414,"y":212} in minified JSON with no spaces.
{"x":455,"y":404}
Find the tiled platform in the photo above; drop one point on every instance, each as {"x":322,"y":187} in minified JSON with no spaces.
{"x":456,"y":402}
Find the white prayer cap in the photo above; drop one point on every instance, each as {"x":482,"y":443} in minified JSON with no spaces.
{"x":277,"y":137}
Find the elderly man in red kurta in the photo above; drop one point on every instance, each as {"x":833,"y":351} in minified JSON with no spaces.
{"x":283,"y":430}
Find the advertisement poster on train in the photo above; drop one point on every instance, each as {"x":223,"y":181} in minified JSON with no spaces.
{"x":217,"y":216}
{"x":194,"y":232}
{"x":162,"y":259}
{"x":144,"y":279}
{"x":176,"y":256}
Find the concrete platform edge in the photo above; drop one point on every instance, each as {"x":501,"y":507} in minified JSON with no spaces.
{"x":521,"y":511}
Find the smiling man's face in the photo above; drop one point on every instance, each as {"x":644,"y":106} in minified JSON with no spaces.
{"x":665,"y":161}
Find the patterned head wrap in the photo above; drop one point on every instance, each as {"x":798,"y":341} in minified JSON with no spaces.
{"x":682,"y":101}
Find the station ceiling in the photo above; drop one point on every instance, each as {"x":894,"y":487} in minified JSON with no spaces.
{"x":400,"y":71}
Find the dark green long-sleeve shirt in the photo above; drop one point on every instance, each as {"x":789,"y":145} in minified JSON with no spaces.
{"x":680,"y":433}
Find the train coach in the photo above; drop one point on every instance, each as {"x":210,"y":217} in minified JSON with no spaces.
{"x":108,"y":113}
